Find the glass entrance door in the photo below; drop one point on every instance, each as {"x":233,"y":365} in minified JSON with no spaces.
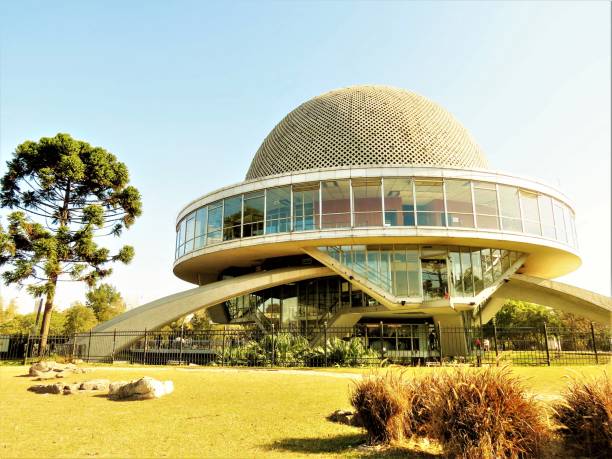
{"x":435,"y":278}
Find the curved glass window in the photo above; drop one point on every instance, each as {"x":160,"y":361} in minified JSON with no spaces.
{"x":253,"y":214}
{"x":430,"y":203}
{"x":306,"y":206}
{"x":336,"y":204}
{"x":459,"y":203}
{"x":278,"y":210}
{"x":399,"y":202}
{"x":367,"y":202}
{"x":377,"y":202}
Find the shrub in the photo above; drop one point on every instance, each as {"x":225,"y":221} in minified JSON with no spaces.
{"x":586,"y":415}
{"x":380,"y":404}
{"x":484,"y":414}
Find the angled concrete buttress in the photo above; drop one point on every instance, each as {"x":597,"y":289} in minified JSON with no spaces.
{"x":556,"y":295}
{"x":156,"y":314}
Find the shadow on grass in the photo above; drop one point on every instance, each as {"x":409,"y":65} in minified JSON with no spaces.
{"x":344,"y":444}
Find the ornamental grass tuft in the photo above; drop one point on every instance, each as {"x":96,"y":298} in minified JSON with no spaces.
{"x":585,"y":415}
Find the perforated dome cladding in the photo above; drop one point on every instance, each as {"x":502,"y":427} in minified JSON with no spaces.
{"x":366,"y":126}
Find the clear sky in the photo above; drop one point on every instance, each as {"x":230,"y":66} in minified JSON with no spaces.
{"x":184,"y":92}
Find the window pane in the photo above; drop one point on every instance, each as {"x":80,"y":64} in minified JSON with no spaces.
{"x":414,"y":274}
{"x":232,"y":210}
{"x":531,"y":216}
{"x":213,"y":228}
{"x":487,"y":267}
{"x":559,"y":221}
{"x":200,"y":228}
{"x":485,"y":197}
{"x":189,"y":229}
{"x":466,"y":266}
{"x":336,"y":204}
{"x":306,"y":207}
{"x":253,"y":214}
{"x":510,"y":209}
{"x":367,"y":202}
{"x":459,"y":203}
{"x":399,"y":202}
{"x":278,"y":209}
{"x":546,"y":216}
{"x":430,"y":203}
{"x":477,"y":271}
{"x":497,"y":263}
{"x":456,"y":271}
{"x":569,"y":218}
{"x":400,"y":274}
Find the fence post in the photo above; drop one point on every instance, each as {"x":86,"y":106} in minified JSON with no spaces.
{"x":495,"y":337}
{"x":223,"y":346}
{"x":440,"y":342}
{"x":546,"y":342}
{"x":74,"y":345}
{"x":26,"y":350}
{"x":89,"y":346}
{"x":114,"y":341}
{"x":273,"y":356}
{"x":181,"y":346}
{"x":594,"y":345}
{"x":325,"y":340}
{"x":382,"y":335}
{"x":144,"y":351}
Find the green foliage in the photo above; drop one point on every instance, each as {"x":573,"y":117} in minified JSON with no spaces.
{"x":522,"y":314}
{"x":24,"y":323}
{"x":65,"y":193}
{"x":105,"y":302}
{"x":79,"y":318}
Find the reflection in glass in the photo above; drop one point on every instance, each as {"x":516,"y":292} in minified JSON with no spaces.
{"x":456,"y":272}
{"x":435,"y":279}
{"x":214,"y":226}
{"x":399,"y":202}
{"x":306,"y":206}
{"x":278,"y":209}
{"x":430,"y":203}
{"x":459,"y":203}
{"x":466,"y":266}
{"x":253,"y":214}
{"x":232,"y":210}
{"x":477,"y":271}
{"x":487,"y":267}
{"x":367,"y":202}
{"x":336,"y":204}
{"x":200,"y":228}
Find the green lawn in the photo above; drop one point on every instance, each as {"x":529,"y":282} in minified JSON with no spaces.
{"x":212,"y":413}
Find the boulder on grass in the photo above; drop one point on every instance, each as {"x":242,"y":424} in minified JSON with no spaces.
{"x":46,"y":388}
{"x":95,"y":384}
{"x":140,"y":389}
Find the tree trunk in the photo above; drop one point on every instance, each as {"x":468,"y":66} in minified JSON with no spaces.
{"x":46,"y":320}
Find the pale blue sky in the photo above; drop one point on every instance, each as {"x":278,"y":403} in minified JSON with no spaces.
{"x":184,"y":93}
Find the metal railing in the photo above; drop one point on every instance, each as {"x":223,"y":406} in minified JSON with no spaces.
{"x":374,"y":344}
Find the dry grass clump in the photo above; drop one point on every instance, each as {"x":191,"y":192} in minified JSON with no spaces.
{"x":485,"y":414}
{"x":380,"y":404}
{"x":586,"y":415}
{"x":476,"y":414}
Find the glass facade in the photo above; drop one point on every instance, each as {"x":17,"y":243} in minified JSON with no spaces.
{"x":377,"y":202}
{"x":426,"y":272}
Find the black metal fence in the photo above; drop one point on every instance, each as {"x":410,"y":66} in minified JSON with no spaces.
{"x":374,"y":345}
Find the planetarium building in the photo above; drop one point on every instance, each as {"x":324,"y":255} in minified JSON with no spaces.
{"x":371,"y":204}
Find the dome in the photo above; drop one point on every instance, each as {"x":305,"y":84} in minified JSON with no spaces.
{"x":366,"y":126}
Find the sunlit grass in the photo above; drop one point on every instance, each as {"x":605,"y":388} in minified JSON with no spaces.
{"x":212,"y":413}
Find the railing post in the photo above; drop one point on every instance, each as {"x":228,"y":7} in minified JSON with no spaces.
{"x":74,"y":345}
{"x":546,"y":342}
{"x":144,"y":351}
{"x":273,"y":347}
{"x":181,"y":346}
{"x":382,"y":335}
{"x":325,"y":340}
{"x":89,"y":346}
{"x":440,"y":342}
{"x":114,"y":341}
{"x":26,"y":350}
{"x":495,"y":337}
{"x":223,"y":346}
{"x":594,"y":345}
